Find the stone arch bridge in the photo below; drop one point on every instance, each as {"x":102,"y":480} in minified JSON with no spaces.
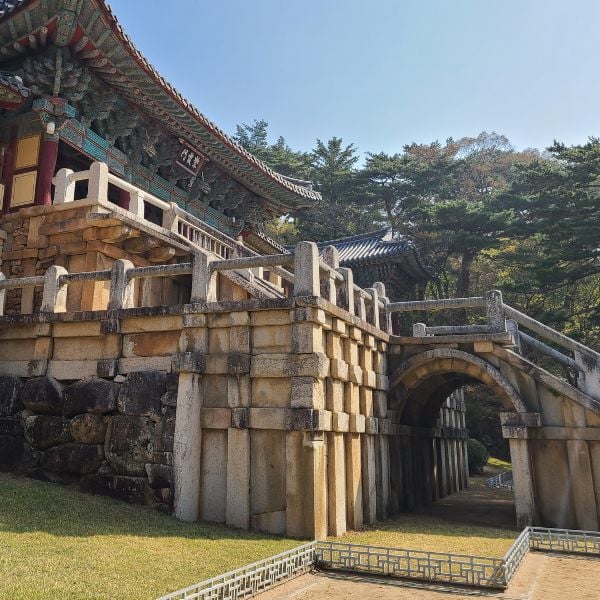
{"x":298,"y":411}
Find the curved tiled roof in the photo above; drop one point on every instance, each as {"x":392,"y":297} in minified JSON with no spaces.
{"x":15,"y":83}
{"x":377,"y":247}
{"x":129,"y":71}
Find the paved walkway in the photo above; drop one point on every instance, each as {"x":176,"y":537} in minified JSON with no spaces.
{"x":541,"y":576}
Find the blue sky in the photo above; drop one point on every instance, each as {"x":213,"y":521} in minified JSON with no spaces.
{"x":381,"y":73}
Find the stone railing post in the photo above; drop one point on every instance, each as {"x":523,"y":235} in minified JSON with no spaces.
{"x":373,"y":307}
{"x":346,"y":291}
{"x":54,"y":298}
{"x":495,"y":312}
{"x":589,"y":375}
{"x":328,"y":288}
{"x":98,"y":182}
{"x":121,"y":287}
{"x":204,"y":281}
{"x":513,"y":328}
{"x":2,"y":295}
{"x":419,"y":330}
{"x":64,"y":188}
{"x":385,"y":317}
{"x":136,"y":203}
{"x":169,"y":220}
{"x":307,"y":281}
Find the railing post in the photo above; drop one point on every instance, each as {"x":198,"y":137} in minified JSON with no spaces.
{"x":360,"y":308}
{"x":332,"y":259}
{"x":169,"y":220}
{"x":2,"y":295}
{"x":54,"y":298}
{"x":64,"y":188}
{"x":98,"y":182}
{"x":346,"y":291}
{"x":385,"y":317}
{"x":373,"y":307}
{"x":513,"y":328}
{"x":306,"y":270}
{"x":419,"y":330}
{"x":121,"y":287}
{"x":495,"y":311}
{"x":588,"y":380}
{"x":136,"y":203}
{"x":204,"y":281}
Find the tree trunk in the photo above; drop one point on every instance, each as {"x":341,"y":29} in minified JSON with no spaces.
{"x":464,"y":279}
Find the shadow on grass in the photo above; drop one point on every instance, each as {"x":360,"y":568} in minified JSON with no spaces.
{"x":28,"y":506}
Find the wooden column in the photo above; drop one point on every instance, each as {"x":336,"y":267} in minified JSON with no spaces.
{"x":9,"y":169}
{"x":46,"y":168}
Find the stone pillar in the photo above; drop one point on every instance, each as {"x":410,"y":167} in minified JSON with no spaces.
{"x":306,"y":493}
{"x":98,"y":182}
{"x":306,"y":270}
{"x":495,"y":311}
{"x":370,"y":478}
{"x":121,"y":286}
{"x":336,"y":483}
{"x":54,"y":298}
{"x":204,"y":281}
{"x":328,"y":285}
{"x":589,"y":376}
{"x":382,"y":455}
{"x":525,"y":504}
{"x":46,"y":168}
{"x":346,"y":291}
{"x":187,"y":446}
{"x":354,"y":501}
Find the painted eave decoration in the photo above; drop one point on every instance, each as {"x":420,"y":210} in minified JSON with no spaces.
{"x":91,"y":29}
{"x":12,"y":91}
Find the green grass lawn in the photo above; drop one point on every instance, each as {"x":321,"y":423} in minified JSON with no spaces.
{"x":56,"y":542}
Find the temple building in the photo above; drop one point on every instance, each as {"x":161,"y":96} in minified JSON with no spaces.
{"x":75,"y":92}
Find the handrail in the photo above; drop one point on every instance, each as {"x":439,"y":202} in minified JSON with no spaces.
{"x":442,"y":304}
{"x":549,"y":333}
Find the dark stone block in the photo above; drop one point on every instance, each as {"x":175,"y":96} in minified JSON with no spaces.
{"x":43,"y":431}
{"x":89,"y":428}
{"x":11,"y":452}
{"x":159,"y":476}
{"x":43,"y":475}
{"x":10,"y":401}
{"x":78,"y":459}
{"x":97,"y":483}
{"x":132,"y":489}
{"x":43,"y":395}
{"x":141,"y":393}
{"x":11,"y":426}
{"x":130,"y":445}
{"x":93,"y":395}
{"x":169,"y":399}
{"x":162,"y":496}
{"x":172,"y":382}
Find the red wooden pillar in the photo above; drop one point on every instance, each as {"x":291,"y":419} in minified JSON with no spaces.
{"x":8,"y":169}
{"x":46,"y":169}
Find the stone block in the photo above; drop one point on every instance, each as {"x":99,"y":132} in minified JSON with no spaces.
{"x":240,"y":418}
{"x":340,"y":422}
{"x":134,"y":490}
{"x":142,"y":392}
{"x":270,"y":392}
{"x":271,"y":522}
{"x":188,"y":362}
{"x":76,"y":459}
{"x":43,"y":395}
{"x":93,"y":395}
{"x":11,"y":452}
{"x":130,"y":444}
{"x":339,"y":369}
{"x":371,"y":425}
{"x":88,"y":428}
{"x":159,"y":476}
{"x":11,"y":426}
{"x":357,"y":423}
{"x":307,"y":392}
{"x":355,"y":374}
{"x":169,"y":399}
{"x":382,"y":382}
{"x":334,"y":395}
{"x":238,"y":363}
{"x":44,"y":431}
{"x":10,"y":401}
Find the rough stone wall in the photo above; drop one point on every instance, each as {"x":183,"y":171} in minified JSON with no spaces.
{"x":109,"y":436}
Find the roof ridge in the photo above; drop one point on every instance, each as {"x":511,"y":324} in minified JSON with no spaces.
{"x":356,"y":237}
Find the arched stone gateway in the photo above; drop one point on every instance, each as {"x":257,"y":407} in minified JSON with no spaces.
{"x":419,"y":388}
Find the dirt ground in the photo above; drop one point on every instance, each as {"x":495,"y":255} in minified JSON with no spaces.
{"x":541,"y":576}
